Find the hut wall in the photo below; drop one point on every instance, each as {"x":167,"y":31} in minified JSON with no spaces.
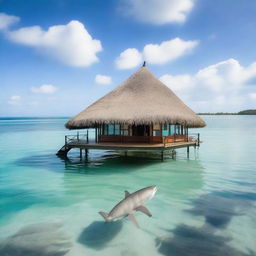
{"x":161,"y":134}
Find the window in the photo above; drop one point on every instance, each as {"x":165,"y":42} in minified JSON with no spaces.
{"x":117,"y":129}
{"x":124,"y":129}
{"x":110,"y":129}
{"x":178,"y":129}
{"x":105,"y":129}
{"x":171,"y":130}
{"x":165,"y":130}
{"x":157,"y":133}
{"x":156,"y":130}
{"x":125,"y":132}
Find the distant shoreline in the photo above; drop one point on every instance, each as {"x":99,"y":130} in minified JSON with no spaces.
{"x":32,"y":117}
{"x":244,"y":112}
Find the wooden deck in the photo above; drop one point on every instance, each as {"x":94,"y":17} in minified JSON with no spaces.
{"x":131,"y":146}
{"x":83,"y":144}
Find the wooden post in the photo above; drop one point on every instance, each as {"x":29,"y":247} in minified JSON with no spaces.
{"x":187,"y":151}
{"x":66,"y":142}
{"x":173,"y":153}
{"x":96,"y":134}
{"x":151,"y":132}
{"x":125,"y":153}
{"x":87,"y":137}
{"x":77,"y":136}
{"x":174,"y":135}
{"x":86,"y":154}
{"x":198,"y":139}
{"x":80,"y":153}
{"x":162,"y":155}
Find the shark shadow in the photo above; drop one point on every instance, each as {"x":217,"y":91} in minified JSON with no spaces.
{"x":98,"y":234}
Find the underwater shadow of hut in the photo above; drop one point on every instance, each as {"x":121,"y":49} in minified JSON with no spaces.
{"x":99,"y":164}
{"x":192,"y":241}
{"x":218,"y":208}
{"x":39,"y":239}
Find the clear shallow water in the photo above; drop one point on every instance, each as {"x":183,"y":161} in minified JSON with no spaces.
{"x":205,"y":205}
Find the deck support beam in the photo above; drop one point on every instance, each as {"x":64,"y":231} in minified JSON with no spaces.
{"x":81,"y":154}
{"x":86,"y":154}
{"x":173,"y":153}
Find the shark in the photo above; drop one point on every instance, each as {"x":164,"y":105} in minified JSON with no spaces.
{"x":131,"y":203}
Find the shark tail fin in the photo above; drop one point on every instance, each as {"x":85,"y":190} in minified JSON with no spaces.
{"x":104,"y":215}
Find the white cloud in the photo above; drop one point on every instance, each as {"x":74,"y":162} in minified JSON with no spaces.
{"x":167,"y":50}
{"x":70,"y":44}
{"x":155,"y":53}
{"x":129,"y":58}
{"x":252,"y":95}
{"x":157,"y":12}
{"x":177,"y":83}
{"x":14,"y":100}
{"x":44,"y":89}
{"x":7,"y":20}
{"x":101,"y":79}
{"x":220,"y":87}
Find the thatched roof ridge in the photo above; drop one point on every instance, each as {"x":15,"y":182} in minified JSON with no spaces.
{"x":141,"y":99}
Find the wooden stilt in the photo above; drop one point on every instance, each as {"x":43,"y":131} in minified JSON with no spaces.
{"x":125,"y":153}
{"x":188,"y":152}
{"x":96,"y":134}
{"x":80,"y":153}
{"x":86,"y":154}
{"x":162,"y":155}
{"x":173,"y":153}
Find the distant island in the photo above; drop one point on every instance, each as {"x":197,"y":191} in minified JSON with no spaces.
{"x":244,"y":112}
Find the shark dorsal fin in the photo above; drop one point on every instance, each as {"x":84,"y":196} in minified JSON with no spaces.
{"x":144,"y":210}
{"x":133,"y":220}
{"x":126,"y":193}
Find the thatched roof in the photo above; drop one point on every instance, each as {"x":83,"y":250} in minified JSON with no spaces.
{"x":141,"y":99}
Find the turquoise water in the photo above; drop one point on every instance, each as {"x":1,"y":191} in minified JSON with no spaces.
{"x":205,"y":205}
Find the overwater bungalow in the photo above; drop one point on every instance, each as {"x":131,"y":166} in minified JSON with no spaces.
{"x":140,"y":114}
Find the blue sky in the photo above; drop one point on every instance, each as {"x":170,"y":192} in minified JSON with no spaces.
{"x":58,"y":56}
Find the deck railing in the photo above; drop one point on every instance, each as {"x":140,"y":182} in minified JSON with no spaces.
{"x":194,"y":137}
{"x":82,"y":138}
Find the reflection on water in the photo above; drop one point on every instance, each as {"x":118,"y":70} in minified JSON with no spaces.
{"x":99,"y":233}
{"x":42,"y":239}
